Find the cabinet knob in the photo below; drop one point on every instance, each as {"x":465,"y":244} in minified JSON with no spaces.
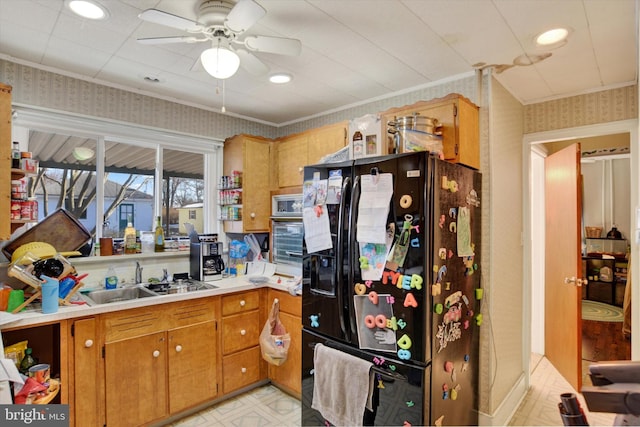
{"x":88,"y":343}
{"x":178,"y":348}
{"x":156,"y":353}
{"x":243,"y":370}
{"x":243,"y":332}
{"x":243,"y":303}
{"x":252,"y":214}
{"x":300,"y":169}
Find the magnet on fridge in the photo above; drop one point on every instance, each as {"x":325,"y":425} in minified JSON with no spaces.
{"x":314,"y":321}
{"x":410,"y":404}
{"x":415,"y":242}
{"x":380,"y":385}
{"x":404,"y":354}
{"x":442,"y":221}
{"x":439,"y":308}
{"x":438,"y":422}
{"x":364,"y":263}
{"x":373,"y":297}
{"x":401,"y":323}
{"x":442,"y":253}
{"x":454,"y":394}
{"x":436,"y":289}
{"x":453,"y":227}
{"x":479,"y":319}
{"x":410,"y":301}
{"x":404,"y":342}
{"x":453,"y":212}
{"x":448,"y":366}
{"x":360,"y":288}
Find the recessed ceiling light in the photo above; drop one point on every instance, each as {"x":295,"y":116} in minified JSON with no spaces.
{"x":280,"y":78}
{"x":88,"y":9}
{"x":552,"y":37}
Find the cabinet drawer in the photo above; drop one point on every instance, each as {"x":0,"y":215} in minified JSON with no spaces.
{"x":185,"y":313}
{"x":288,"y":303}
{"x":240,"y":331}
{"x":133,"y":323}
{"x":241,"y":369}
{"x":240,"y":302}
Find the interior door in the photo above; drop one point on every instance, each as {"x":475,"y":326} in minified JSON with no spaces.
{"x":563,"y":318}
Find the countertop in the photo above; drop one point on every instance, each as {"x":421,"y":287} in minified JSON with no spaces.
{"x":33,"y":316}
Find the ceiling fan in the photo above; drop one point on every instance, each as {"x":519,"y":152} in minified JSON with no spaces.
{"x":222,"y":23}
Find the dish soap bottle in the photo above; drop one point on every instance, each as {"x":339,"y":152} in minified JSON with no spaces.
{"x":111,"y":279}
{"x":130,"y":238}
{"x":27,"y":361}
{"x":159,"y":246}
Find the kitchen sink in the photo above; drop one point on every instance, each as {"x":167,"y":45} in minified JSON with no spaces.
{"x":107,"y":296}
{"x":179,"y":286}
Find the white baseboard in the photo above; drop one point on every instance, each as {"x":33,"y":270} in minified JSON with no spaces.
{"x":507,"y":407}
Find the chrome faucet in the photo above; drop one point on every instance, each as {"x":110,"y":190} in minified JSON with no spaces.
{"x":138,"y":273}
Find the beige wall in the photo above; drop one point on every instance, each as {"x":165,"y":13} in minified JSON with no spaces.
{"x":503,"y":339}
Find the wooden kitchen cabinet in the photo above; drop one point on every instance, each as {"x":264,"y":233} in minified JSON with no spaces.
{"x":5,"y":162}
{"x":162,"y":351}
{"x":288,"y":376}
{"x":85,"y":392}
{"x":459,"y":118}
{"x":136,"y":381}
{"x":192,"y":366}
{"x":307,"y":148}
{"x":242,"y":363}
{"x":250,"y":155}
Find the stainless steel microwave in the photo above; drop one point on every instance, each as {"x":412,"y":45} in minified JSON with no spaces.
{"x":287,"y":232}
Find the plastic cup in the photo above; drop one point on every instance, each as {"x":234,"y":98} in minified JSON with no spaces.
{"x":16,"y":298}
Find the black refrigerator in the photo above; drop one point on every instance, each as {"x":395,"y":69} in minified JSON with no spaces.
{"x":391,"y":275}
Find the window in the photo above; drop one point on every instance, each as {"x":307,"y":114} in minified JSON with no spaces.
{"x":143,"y":173}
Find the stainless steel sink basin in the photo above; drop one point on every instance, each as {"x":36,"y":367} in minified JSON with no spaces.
{"x":179,"y":287}
{"x":118,"y":295}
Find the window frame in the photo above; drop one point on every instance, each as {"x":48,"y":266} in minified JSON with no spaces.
{"x":102,"y":130}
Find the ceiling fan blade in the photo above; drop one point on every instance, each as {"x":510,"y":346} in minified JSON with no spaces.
{"x":243,"y":15}
{"x":278,"y":45}
{"x":169,"y":20}
{"x":167,"y":40}
{"x":251,"y":63}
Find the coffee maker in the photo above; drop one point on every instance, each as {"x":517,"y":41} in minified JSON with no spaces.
{"x":205,"y":257}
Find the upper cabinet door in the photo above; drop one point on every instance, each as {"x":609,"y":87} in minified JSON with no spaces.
{"x":292,"y":158}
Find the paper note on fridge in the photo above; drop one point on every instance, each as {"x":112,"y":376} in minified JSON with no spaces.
{"x":317,"y":234}
{"x":373,"y":207}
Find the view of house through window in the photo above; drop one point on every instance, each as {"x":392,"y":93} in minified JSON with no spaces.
{"x":67,"y":179}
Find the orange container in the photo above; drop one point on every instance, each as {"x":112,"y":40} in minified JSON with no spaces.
{"x":4,"y":297}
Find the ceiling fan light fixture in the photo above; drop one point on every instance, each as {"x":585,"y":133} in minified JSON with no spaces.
{"x":88,"y":9}
{"x":552,"y":38}
{"x":220,"y":61}
{"x":280,"y":78}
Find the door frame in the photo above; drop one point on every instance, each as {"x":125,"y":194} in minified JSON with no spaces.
{"x":530,"y":144}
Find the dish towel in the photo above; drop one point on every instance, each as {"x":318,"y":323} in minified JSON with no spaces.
{"x":342,"y":386}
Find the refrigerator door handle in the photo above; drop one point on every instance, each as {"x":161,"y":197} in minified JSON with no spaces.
{"x":339,"y":271}
{"x":352,"y":245}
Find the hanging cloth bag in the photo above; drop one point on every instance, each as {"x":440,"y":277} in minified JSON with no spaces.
{"x":274,"y":339}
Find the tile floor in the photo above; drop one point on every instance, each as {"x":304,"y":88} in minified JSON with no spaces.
{"x":269,"y":406}
{"x":262,"y":407}
{"x":540,"y":405}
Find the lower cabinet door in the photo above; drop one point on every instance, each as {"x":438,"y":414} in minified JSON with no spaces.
{"x":86,"y":406}
{"x":289,"y":374}
{"x":136,"y":380}
{"x":192,"y":365}
{"x":241,"y":369}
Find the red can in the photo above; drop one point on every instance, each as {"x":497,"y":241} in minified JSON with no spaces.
{"x":25,"y":210}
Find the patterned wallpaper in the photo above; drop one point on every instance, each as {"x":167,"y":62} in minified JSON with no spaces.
{"x":464,"y":86}
{"x":39,"y":88}
{"x":581,"y":110}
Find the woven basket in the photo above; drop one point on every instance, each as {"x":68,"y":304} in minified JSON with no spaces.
{"x":593,"y":232}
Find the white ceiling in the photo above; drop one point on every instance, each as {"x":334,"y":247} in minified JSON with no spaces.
{"x":352,"y":50}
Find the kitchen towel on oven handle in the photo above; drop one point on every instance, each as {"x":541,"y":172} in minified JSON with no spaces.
{"x":274,"y":339}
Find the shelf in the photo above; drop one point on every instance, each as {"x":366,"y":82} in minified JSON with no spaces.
{"x":20,"y":173}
